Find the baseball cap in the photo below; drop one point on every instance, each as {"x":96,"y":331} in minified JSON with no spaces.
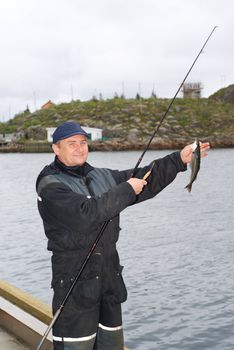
{"x":66,"y":130}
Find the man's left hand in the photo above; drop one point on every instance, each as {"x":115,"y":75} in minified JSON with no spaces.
{"x":187,"y":152}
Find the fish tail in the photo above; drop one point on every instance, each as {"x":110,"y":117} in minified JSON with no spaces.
{"x":188,"y":187}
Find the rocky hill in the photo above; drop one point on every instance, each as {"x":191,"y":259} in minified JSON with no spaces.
{"x":225,"y":95}
{"x":128,"y":123}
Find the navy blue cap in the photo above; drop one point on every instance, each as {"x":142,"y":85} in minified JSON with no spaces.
{"x":66,"y":130}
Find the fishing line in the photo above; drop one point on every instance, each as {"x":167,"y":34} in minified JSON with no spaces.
{"x":170,"y":104}
{"x":92,"y":248}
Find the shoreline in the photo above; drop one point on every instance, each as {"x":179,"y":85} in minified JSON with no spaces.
{"x":120,"y":145}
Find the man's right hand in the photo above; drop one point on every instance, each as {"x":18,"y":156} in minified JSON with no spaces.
{"x":137,"y":184}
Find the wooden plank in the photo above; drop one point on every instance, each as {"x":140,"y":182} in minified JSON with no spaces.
{"x":26,"y":302}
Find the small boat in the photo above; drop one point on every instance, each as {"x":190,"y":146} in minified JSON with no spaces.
{"x":23,"y":320}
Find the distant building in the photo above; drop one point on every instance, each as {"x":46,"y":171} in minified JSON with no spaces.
{"x":192,"y":90}
{"x":2,"y":139}
{"x":47,"y":105}
{"x":8,"y":138}
{"x":93,"y":133}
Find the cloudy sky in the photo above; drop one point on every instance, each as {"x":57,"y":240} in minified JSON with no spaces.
{"x":64,"y":49}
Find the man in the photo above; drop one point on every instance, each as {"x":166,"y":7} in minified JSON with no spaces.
{"x":74,"y":200}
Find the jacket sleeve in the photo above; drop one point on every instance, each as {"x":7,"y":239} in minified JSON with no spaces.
{"x":163,"y":173}
{"x":57,"y":203}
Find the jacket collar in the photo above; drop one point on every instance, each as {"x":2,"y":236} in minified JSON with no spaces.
{"x":78,"y":170}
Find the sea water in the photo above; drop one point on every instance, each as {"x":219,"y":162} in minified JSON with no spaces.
{"x":177,"y":250}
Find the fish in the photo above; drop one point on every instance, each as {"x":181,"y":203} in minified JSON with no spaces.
{"x":195,"y":164}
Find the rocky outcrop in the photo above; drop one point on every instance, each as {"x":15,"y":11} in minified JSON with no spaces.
{"x":35,"y":132}
{"x":119,"y":144}
{"x":224,"y":95}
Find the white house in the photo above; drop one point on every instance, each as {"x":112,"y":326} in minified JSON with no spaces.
{"x":93,"y":133}
{"x":8,"y":138}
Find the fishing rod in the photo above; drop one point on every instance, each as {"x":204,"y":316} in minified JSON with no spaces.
{"x":92,"y":248}
{"x":170,"y":104}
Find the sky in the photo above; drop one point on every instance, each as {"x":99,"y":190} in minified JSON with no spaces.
{"x":61,"y":50}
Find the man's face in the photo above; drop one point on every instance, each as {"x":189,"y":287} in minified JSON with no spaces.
{"x":72,"y":151}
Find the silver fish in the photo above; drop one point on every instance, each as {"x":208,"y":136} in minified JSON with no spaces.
{"x":195,"y":164}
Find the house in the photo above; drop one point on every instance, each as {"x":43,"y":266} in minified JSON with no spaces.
{"x":93,"y":133}
{"x":47,"y":105}
{"x":8,"y":138}
{"x":2,"y":139}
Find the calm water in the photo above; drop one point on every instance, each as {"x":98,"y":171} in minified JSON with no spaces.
{"x":177,"y":249}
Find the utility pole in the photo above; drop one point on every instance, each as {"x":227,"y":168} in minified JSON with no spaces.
{"x":9,"y":111}
{"x":139,"y":92}
{"x":72,"y":97}
{"x":139,"y":89}
{"x":35,"y":100}
{"x":123,"y":92}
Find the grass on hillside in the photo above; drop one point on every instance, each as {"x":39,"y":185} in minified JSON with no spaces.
{"x":131,"y":114}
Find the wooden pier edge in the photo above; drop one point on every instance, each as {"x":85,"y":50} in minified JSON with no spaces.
{"x":27,"y":302}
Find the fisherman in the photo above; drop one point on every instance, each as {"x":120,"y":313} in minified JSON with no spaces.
{"x":74,"y":200}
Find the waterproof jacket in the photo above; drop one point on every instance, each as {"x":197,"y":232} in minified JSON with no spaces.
{"x":74,"y":202}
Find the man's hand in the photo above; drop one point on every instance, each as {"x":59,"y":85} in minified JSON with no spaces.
{"x":137,"y":184}
{"x":187,"y":151}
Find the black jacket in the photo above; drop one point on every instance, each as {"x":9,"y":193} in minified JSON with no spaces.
{"x":73,"y":216}
{"x":65,"y":213}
